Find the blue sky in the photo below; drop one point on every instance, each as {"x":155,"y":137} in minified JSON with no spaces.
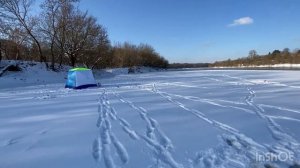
{"x":201,"y":30}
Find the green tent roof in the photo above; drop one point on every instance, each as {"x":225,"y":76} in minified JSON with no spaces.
{"x":79,"y":69}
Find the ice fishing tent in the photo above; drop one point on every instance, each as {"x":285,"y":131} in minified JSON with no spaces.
{"x":80,"y":78}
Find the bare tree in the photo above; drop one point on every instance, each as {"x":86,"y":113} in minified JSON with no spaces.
{"x":97,"y":49}
{"x":17,"y":11}
{"x":66,"y":34}
{"x":19,"y":37}
{"x":83,"y":34}
{"x":128,"y":55}
{"x":252,"y":54}
{"x":55,"y":23}
{"x":66,"y":7}
{"x":49,"y":25}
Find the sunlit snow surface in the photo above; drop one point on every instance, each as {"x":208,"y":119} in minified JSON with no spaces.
{"x":169,"y":119}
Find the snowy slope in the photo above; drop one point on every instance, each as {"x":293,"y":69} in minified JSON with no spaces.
{"x":35,"y":73}
{"x":172,"y":119}
{"x":32,"y":73}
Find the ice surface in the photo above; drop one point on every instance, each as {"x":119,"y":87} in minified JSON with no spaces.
{"x":199,"y":118}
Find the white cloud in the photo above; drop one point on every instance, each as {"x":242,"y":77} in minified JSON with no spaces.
{"x":241,"y":21}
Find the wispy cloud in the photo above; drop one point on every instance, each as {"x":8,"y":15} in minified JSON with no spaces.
{"x":241,"y":21}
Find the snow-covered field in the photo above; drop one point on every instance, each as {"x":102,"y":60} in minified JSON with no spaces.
{"x":287,"y":66}
{"x":191,"y":119}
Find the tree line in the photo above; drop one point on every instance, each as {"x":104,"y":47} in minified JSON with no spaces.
{"x":253,"y":59}
{"x":188,"y":65}
{"x":63,"y":34}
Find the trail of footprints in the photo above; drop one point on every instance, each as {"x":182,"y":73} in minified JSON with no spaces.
{"x":102,"y":146}
{"x":162,"y":146}
{"x":233,"y":137}
{"x":240,"y":142}
{"x":156,"y":140}
{"x":154,"y":137}
{"x":285,"y":142}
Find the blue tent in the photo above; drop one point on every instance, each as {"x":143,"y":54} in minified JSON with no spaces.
{"x":80,"y":78}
